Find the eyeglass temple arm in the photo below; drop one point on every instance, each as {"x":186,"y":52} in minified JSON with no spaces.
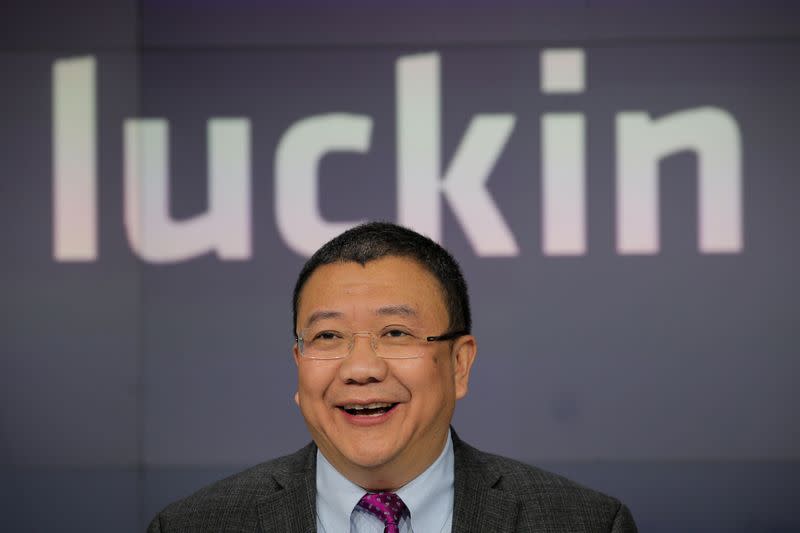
{"x":447,"y":336}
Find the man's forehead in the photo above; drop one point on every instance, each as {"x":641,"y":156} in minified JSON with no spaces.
{"x":397,"y":310}
{"x":397,"y":275}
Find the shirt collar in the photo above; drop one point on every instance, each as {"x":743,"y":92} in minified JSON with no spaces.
{"x":336,"y":496}
{"x":429,"y":496}
{"x":425,"y":496}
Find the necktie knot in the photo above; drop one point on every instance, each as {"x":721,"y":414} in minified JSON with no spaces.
{"x":387,"y":506}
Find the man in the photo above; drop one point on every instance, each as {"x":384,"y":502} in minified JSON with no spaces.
{"x":383,"y":351}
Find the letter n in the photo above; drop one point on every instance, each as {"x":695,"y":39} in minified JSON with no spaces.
{"x":713,"y":135}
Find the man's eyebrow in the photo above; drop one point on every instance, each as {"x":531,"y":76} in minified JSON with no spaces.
{"x":394,"y":310}
{"x":322,"y":315}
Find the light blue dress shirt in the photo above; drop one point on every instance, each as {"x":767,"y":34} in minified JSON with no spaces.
{"x":429,"y":498}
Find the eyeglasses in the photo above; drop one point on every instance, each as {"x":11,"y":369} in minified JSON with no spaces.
{"x":392,"y":342}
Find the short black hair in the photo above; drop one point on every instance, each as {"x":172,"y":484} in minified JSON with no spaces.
{"x":375,"y":240}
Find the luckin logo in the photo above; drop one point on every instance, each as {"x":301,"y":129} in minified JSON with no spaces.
{"x":423,"y":181}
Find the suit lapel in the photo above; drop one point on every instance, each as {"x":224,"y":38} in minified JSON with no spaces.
{"x":478,"y":506}
{"x":291,"y":507}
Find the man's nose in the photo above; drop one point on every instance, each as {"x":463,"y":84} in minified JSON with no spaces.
{"x":363,"y":365}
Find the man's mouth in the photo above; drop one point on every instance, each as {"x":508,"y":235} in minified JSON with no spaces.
{"x":370,"y":409}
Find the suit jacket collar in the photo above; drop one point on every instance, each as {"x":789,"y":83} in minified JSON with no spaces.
{"x":291,"y":506}
{"x":478,"y":506}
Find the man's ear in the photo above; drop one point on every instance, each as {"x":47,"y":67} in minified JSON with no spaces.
{"x":297,"y":356}
{"x":296,"y":353}
{"x":464,"y":349}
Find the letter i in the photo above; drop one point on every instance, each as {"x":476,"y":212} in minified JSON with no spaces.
{"x":563,"y":156}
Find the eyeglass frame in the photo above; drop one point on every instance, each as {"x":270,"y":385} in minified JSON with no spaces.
{"x":373,"y":343}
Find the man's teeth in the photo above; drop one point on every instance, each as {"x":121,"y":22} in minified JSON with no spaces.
{"x":371,"y":409}
{"x":368,"y":406}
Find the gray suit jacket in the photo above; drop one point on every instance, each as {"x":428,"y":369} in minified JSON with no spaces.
{"x":492,"y":494}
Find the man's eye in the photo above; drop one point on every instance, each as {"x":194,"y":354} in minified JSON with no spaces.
{"x":326,"y":336}
{"x":396,"y":333}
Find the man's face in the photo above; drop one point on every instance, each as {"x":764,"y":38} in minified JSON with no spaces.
{"x":387,"y":449}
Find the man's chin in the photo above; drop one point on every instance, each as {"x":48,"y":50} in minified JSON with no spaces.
{"x":369,"y":457}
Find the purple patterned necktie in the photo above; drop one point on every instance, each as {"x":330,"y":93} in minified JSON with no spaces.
{"x":387,"y":506}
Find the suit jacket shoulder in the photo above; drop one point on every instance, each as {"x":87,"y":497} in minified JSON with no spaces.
{"x":260,"y":498}
{"x":492,"y":493}
{"x":500,"y":494}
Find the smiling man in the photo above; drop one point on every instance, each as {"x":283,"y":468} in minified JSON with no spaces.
{"x":383,"y":351}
